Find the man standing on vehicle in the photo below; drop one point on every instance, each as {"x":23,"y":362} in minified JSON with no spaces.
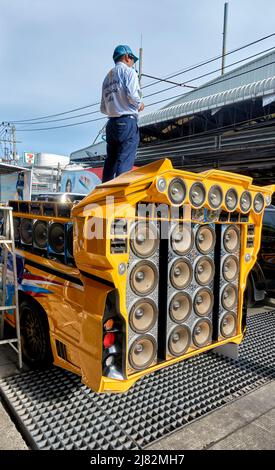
{"x":121,"y":102}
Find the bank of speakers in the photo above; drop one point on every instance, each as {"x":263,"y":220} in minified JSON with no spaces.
{"x":142,"y":295}
{"x":190,"y":287}
{"x":52,"y":239}
{"x":229,"y":281}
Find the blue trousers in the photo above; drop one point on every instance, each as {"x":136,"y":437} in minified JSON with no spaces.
{"x":122,"y":136}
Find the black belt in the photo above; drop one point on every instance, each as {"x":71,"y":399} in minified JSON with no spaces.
{"x":124,"y":115}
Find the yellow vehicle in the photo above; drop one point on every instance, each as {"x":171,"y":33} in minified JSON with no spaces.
{"x":156,"y":275}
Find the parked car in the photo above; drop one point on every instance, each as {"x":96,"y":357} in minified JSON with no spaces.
{"x":58,"y":197}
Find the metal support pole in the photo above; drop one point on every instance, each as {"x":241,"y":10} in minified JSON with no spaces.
{"x":224,"y":36}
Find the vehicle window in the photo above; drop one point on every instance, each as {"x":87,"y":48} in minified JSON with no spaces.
{"x":269,"y":221}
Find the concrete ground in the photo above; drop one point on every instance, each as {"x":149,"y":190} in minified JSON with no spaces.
{"x":247,"y":423}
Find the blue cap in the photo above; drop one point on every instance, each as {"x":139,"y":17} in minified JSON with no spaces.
{"x":122,"y":50}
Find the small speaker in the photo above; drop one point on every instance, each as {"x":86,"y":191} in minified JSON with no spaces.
{"x":16,"y":229}
{"x":142,"y":352}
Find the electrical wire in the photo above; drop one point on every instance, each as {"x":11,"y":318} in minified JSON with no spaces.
{"x":150,"y":84}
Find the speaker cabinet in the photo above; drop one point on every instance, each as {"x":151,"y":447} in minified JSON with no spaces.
{"x":142,"y":295}
{"x":190,"y":287}
{"x":228,"y":280}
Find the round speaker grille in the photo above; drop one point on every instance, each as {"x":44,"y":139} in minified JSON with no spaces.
{"x":197,"y":194}
{"x":40,"y":233}
{"x":180,"y":307}
{"x":202,"y":333}
{"x":143,"y":315}
{"x":56,"y":237}
{"x":203,"y":302}
{"x":143,"y":278}
{"x":26,"y":231}
{"x":204,"y":270}
{"x":231,"y":199}
{"x":179,"y":340}
{"x":230,"y":268}
{"x":228,"y":324}
{"x":181,"y":273}
{"x":215,"y":196}
{"x":16,"y":228}
{"x":231,"y":239}
{"x":181,"y":239}
{"x":177,"y":191}
{"x":142,"y":352}
{"x":144,"y":239}
{"x":229,"y":297}
{"x":205,"y":239}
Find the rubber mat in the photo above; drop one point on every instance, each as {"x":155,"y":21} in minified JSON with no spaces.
{"x":55,"y":411}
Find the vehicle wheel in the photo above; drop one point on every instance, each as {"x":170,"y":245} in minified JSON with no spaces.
{"x":36,"y":348}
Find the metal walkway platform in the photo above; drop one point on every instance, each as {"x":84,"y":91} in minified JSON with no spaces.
{"x":55,"y":411}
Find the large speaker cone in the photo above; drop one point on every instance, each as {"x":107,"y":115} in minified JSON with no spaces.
{"x":181,"y":273}
{"x":70,"y":240}
{"x":40,"y":233}
{"x":231,"y":239}
{"x":215,"y":196}
{"x":205,"y":239}
{"x":143,"y":315}
{"x":229,"y":296}
{"x":180,"y":307}
{"x":179,"y":340}
{"x":142,"y":352}
{"x":56,"y":237}
{"x":202,"y":333}
{"x":228,"y":324}
{"x":204,"y":270}
{"x":26,"y":231}
{"x":203,"y":302}
{"x":143,"y":278}
{"x":181,"y":239}
{"x":144,"y":239}
{"x":230,"y":268}
{"x":16,"y":227}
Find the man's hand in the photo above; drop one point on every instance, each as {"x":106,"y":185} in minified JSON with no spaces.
{"x":141,"y":108}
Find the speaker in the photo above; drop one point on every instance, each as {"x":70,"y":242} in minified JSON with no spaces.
{"x":68,"y":246}
{"x":56,"y":238}
{"x":142,"y":295}
{"x":16,"y":229}
{"x":25,"y":230}
{"x":40,"y":234}
{"x":228,"y":281}
{"x":189,"y":287}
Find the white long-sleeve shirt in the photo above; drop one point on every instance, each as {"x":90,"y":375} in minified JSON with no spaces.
{"x":120,"y":91}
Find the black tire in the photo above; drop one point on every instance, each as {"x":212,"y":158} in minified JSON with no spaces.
{"x":36,"y":347}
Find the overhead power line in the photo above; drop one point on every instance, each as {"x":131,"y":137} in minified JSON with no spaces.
{"x":150,"y":84}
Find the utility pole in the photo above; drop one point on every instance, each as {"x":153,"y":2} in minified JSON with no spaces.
{"x":13,"y":132}
{"x":140,"y":62}
{"x":224,"y":36}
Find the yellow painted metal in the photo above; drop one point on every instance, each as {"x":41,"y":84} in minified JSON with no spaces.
{"x":76,"y":311}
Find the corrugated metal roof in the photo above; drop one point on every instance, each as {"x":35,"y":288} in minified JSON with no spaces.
{"x":217,"y":100}
{"x":242,"y":75}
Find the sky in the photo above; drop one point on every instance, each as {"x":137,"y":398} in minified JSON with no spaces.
{"x":54,"y":55}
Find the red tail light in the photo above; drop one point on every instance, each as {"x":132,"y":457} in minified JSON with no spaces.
{"x":109,"y":340}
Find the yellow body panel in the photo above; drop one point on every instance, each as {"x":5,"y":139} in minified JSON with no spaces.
{"x":76,"y":303}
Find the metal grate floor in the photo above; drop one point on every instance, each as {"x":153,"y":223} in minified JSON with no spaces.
{"x":55,"y":411}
